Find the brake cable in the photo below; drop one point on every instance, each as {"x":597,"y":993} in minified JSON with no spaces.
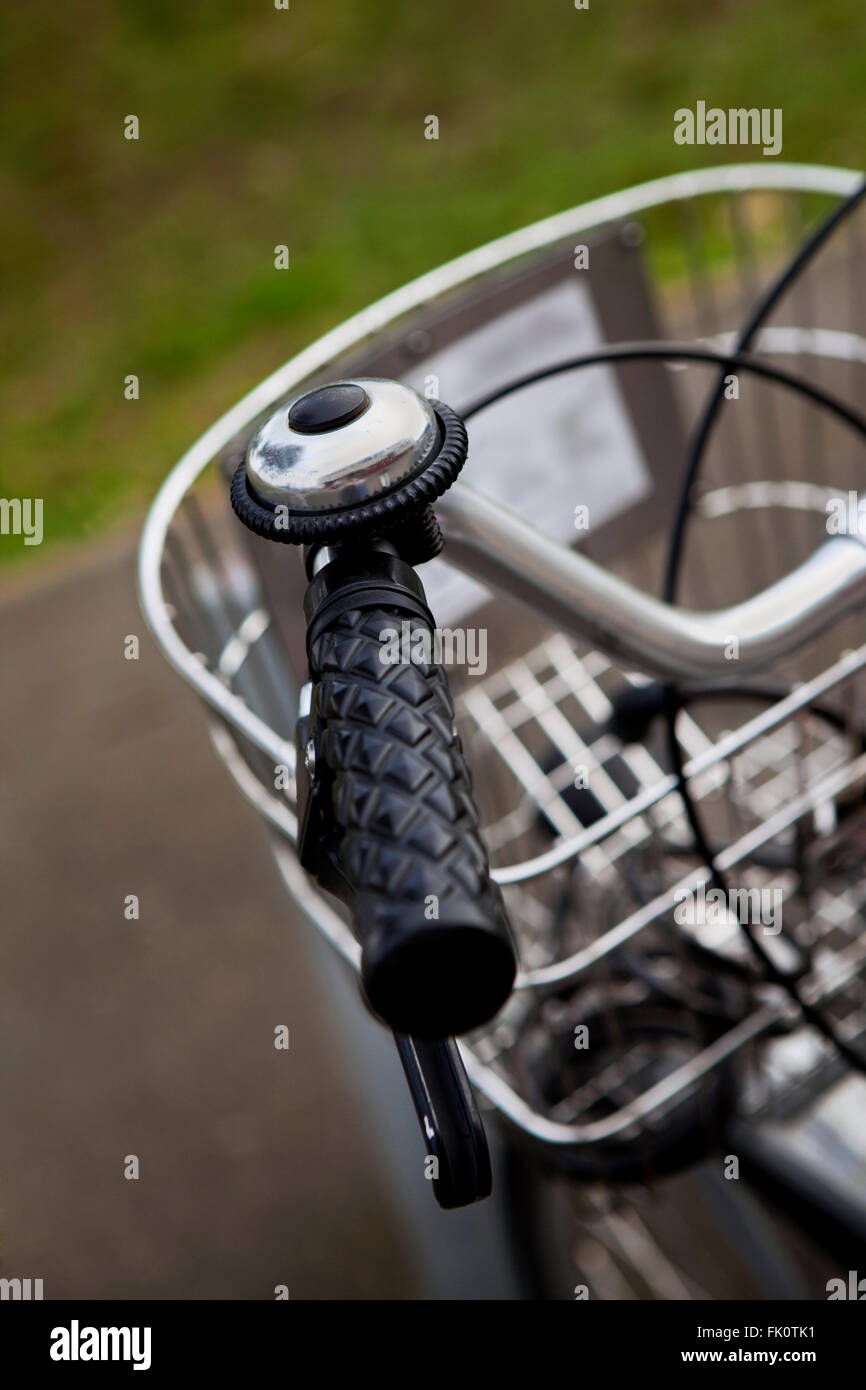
{"x":700,"y":438}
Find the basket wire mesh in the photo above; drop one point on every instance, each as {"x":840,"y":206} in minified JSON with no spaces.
{"x":587,"y":833}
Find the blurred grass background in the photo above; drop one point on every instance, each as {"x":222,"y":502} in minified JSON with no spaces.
{"x":261,"y":126}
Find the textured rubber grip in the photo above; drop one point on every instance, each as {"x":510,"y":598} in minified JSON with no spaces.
{"x":398,"y":833}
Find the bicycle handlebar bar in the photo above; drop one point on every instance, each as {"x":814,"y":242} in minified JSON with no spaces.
{"x":571,"y":591}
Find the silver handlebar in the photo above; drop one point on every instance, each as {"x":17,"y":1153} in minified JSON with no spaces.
{"x":497,"y":547}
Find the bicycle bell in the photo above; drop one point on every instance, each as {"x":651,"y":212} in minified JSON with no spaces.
{"x":352,"y":460}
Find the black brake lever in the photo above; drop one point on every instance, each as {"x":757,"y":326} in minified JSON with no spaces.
{"x":457,"y":1152}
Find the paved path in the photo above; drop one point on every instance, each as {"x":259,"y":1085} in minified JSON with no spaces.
{"x":155,"y":1037}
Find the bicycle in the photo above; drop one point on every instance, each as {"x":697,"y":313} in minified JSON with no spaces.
{"x":628,"y":754}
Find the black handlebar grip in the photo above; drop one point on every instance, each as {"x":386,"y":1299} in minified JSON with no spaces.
{"x":392,"y":827}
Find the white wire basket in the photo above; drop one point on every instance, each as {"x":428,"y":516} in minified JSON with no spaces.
{"x":587,"y":833}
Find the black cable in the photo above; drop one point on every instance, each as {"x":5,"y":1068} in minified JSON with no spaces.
{"x":643,"y":350}
{"x":743,"y":342}
{"x":700,"y":439}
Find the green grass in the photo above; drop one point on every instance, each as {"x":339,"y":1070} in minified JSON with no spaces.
{"x":305,"y":127}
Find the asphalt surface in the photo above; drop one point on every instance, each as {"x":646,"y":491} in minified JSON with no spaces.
{"x":155,"y":1037}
